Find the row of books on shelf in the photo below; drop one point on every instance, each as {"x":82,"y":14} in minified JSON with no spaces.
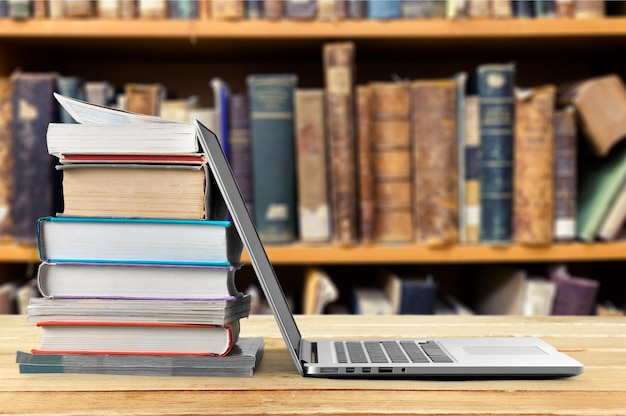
{"x":495,"y":290}
{"x":158,"y":291}
{"x":466,"y":159}
{"x":325,"y":10}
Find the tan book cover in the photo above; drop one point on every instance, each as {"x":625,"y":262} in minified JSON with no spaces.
{"x":128,"y":9}
{"x":391,"y":150}
{"x":273,"y":9}
{"x":366,"y":165}
{"x":338,"y":61}
{"x":227,"y":9}
{"x":435,"y":161}
{"x":533,"y":166}
{"x":601,"y":106}
{"x":6,"y":158}
{"x":153,"y":9}
{"x":313,"y":195}
{"x":144,"y":98}
{"x":79,"y":8}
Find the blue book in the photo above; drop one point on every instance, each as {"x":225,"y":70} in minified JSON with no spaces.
{"x":384,"y":9}
{"x":134,"y":240}
{"x":182,"y":9}
{"x":69,"y":86}
{"x":496,"y":123}
{"x":221,"y":97}
{"x":273,"y":156}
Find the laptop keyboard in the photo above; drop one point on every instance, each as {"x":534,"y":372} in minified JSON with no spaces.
{"x":385,"y":352}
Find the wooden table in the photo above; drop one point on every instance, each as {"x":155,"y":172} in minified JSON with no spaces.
{"x":598,"y":342}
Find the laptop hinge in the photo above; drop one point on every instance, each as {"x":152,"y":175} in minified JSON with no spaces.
{"x":308,"y":352}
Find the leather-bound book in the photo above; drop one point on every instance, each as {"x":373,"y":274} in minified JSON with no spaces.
{"x":239,"y":144}
{"x":366,"y":165}
{"x":312,"y":173}
{"x":565,"y":173}
{"x":391,"y":154}
{"x":338,"y":61}
{"x":533,"y":166}
{"x":435,"y":161}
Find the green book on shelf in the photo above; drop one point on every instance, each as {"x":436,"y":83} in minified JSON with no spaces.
{"x":600,"y":184}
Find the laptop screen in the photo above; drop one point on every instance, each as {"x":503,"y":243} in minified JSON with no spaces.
{"x":222,"y":172}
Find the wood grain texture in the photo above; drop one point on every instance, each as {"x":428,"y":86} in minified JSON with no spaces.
{"x":598,"y":342}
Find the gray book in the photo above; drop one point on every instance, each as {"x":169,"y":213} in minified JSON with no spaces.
{"x":240,"y":362}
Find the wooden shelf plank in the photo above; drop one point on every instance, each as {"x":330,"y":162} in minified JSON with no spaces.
{"x":301,"y":254}
{"x":405,"y":29}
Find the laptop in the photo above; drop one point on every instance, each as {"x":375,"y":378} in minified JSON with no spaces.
{"x":417,"y":357}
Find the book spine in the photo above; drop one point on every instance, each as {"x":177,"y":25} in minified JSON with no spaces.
{"x":366,"y":165}
{"x":479,"y":9}
{"x":272,"y":135}
{"x":70,"y":86}
{"x":471,"y":178}
{"x":423,"y":9}
{"x":273,"y":9}
{"x":240,"y":146}
{"x":313,"y":201}
{"x":565,"y":170}
{"x":545,"y":8}
{"x":435,"y":159}
{"x":565,"y":8}
{"x":501,"y":9}
{"x":497,"y":108}
{"x":144,"y":98}
{"x":7,"y":176}
{"x":589,"y":9}
{"x":254,"y":9}
{"x":227,"y":9}
{"x":339,"y":86}
{"x":35,"y":181}
{"x":301,"y":9}
{"x":384,"y":9}
{"x":390,"y":136}
{"x":523,"y":9}
{"x":533,"y":181}
{"x":183,"y":9}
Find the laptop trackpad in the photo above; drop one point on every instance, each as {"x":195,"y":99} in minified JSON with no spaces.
{"x":504,"y":350}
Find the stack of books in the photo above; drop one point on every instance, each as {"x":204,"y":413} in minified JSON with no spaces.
{"x":138,"y":272}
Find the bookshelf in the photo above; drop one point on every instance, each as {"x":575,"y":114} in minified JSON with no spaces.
{"x":188,"y":53}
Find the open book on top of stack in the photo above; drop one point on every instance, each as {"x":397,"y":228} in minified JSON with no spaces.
{"x":129,"y":269}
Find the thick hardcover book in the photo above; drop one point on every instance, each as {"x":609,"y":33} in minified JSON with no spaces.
{"x":144,"y":98}
{"x":533,"y":180}
{"x":137,"y":190}
{"x":145,"y":338}
{"x":601,"y":180}
{"x":391,"y":156}
{"x":128,"y":240}
{"x":574,"y":295}
{"x":183,"y":9}
{"x":435,"y":160}
{"x":241,"y":361}
{"x":497,"y":115}
{"x":273,"y":156}
{"x":136,"y":281}
{"x":240,"y":146}
{"x":410,"y":293}
{"x":565,"y":173}
{"x":423,"y":9}
{"x":338,"y":61}
{"x":384,"y":9}
{"x":7,"y":176}
{"x":366,"y":165}
{"x":36,"y":184}
{"x":227,"y":9}
{"x":601,"y":107}
{"x":301,"y":9}
{"x":313,"y":194}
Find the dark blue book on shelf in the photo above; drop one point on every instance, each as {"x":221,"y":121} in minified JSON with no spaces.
{"x":384,"y":9}
{"x":70,"y":86}
{"x":523,"y":8}
{"x":496,"y":122}
{"x":273,"y":155}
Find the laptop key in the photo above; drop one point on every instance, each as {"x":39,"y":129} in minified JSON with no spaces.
{"x":356,"y":352}
{"x":340,"y":352}
{"x":376,"y":353}
{"x":395,"y":352}
{"x":414,"y":352}
{"x":435,"y":353}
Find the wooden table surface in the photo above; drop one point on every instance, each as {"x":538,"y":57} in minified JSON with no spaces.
{"x":597,"y":342}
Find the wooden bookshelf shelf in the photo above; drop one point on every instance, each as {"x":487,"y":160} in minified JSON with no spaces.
{"x":309,"y":255}
{"x":405,"y":29}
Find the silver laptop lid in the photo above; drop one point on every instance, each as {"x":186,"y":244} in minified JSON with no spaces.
{"x":223,"y":174}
